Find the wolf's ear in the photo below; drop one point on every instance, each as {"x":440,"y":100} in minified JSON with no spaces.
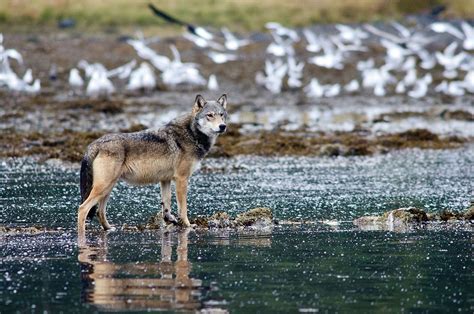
{"x":223,"y":100}
{"x":199,"y":103}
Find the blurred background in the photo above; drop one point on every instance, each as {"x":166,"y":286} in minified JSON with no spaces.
{"x":246,"y":15}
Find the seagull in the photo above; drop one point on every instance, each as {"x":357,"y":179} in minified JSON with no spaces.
{"x":295,"y":73}
{"x":123,"y":71}
{"x":428,"y":61}
{"x":314,"y":89}
{"x":379,"y":89}
{"x":193,"y":29}
{"x":347,"y":48}
{"x":449,"y":60}
{"x":410,"y":39}
{"x":272,"y":78}
{"x":400,"y":88}
{"x":314,"y":44}
{"x":352,"y":86}
{"x":142,"y":78}
{"x":203,"y":42}
{"x":283,"y":32}
{"x":28,"y":76}
{"x":377,"y":79}
{"x":331,"y":59}
{"x":410,"y":77}
{"x":443,"y":27}
{"x":469,"y":81}
{"x":421,"y":87}
{"x":232,"y":42}
{"x":395,"y":53}
{"x":280,"y":47}
{"x":158,"y":61}
{"x":5,"y":54}
{"x":34,"y":88}
{"x":365,"y":65}
{"x":442,"y":87}
{"x":466,"y":35}
{"x":9,"y":78}
{"x":351,"y":35}
{"x":221,"y":57}
{"x":212,"y":83}
{"x":456,"y":88}
{"x":332,"y":90}
{"x":75,"y":80}
{"x":99,"y":84}
{"x":177,"y":72}
{"x":373,"y":77}
{"x":468,"y":30}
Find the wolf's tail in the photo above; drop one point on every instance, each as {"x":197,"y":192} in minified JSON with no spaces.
{"x":86,"y":183}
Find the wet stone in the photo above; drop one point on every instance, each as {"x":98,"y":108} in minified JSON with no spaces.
{"x":261,"y":216}
{"x":403,"y":219}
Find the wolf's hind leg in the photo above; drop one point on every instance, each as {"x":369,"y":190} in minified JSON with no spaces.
{"x":165,"y":187}
{"x":106,"y":172}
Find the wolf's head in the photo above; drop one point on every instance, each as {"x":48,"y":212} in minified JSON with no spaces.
{"x":211,"y":116}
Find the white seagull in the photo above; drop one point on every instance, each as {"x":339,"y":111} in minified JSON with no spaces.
{"x":232,"y":42}
{"x":75,"y":80}
{"x":450,"y":61}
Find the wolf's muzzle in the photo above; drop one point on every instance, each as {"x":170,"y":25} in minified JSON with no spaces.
{"x":222,"y":128}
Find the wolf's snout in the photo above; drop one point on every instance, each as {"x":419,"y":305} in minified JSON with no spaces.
{"x":222,"y":127}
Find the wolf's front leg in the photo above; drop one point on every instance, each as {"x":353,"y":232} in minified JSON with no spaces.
{"x":166,"y":202}
{"x":181,"y":194}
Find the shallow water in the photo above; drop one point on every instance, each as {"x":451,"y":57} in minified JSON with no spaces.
{"x":297,"y":188}
{"x":291,"y":269}
{"x":300,"y":268}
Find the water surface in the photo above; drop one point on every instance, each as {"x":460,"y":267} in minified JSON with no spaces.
{"x":291,"y":268}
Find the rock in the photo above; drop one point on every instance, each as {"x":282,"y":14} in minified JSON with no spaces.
{"x":331,"y":150}
{"x":154,"y":222}
{"x":469,"y":214}
{"x":447,"y":215}
{"x":219,"y":220}
{"x":400,"y":219}
{"x":258,"y":216}
{"x":369,"y":223}
{"x":404,"y":219}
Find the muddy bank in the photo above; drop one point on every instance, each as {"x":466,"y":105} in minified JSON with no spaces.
{"x":60,"y":124}
{"x":70,"y":145}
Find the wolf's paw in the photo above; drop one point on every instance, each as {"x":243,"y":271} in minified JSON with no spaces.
{"x":184,"y":223}
{"x":170,"y":218}
{"x":110,"y":228}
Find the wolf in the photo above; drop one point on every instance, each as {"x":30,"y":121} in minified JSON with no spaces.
{"x":171,"y":153}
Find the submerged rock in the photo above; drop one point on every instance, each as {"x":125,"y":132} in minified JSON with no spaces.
{"x":256,"y":218}
{"x":219,"y":220}
{"x":259,"y":215}
{"x":404,"y":219}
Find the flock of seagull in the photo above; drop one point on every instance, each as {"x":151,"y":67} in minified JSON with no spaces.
{"x":9,"y":79}
{"x":405,"y":67}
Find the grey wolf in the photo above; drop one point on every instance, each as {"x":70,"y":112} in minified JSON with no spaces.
{"x":171,"y":153}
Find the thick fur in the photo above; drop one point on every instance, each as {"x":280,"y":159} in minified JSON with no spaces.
{"x":171,"y":153}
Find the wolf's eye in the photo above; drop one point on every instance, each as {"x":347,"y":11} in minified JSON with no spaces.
{"x":222,"y":114}
{"x":210,"y":115}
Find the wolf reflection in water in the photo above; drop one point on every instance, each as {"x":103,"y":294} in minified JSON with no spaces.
{"x":130,"y":286}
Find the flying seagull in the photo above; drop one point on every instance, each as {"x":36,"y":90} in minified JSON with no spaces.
{"x":196,"y":30}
